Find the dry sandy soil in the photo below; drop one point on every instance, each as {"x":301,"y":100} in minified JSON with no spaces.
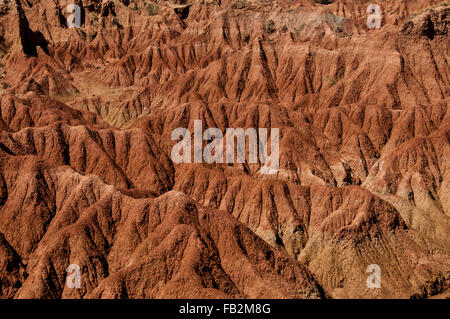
{"x":86,"y":175}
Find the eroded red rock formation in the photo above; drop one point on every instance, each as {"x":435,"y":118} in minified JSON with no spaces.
{"x":86,"y":175}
